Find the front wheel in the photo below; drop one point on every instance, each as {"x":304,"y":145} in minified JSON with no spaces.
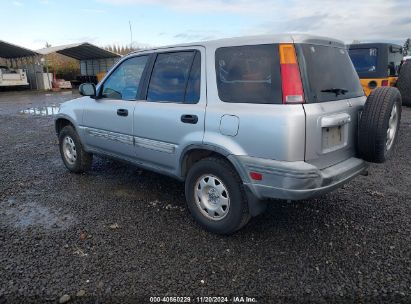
{"x":74,"y":157}
{"x":215,"y":196}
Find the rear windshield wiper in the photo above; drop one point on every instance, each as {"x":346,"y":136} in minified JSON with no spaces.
{"x":336,"y":91}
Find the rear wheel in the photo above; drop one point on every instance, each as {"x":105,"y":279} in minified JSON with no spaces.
{"x":74,"y":157}
{"x":215,"y":196}
{"x":379,"y":124}
{"x":404,"y":83}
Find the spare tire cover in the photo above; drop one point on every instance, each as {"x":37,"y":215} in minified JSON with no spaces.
{"x":379,"y":124}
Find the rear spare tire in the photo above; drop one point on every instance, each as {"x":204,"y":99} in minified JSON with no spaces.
{"x":404,"y":83}
{"x":379,"y":124}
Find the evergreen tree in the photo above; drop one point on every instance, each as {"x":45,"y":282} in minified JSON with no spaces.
{"x":407,"y":47}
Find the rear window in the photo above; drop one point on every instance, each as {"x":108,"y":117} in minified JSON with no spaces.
{"x":328,"y":73}
{"x":249,"y":74}
{"x":364,"y":60}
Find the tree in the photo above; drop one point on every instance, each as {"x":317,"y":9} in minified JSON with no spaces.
{"x":407,"y":47}
{"x":121,"y":49}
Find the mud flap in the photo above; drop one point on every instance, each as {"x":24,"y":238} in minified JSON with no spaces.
{"x":255,"y":205}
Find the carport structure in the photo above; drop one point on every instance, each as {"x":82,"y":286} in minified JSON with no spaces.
{"x":94,"y":61}
{"x":15,"y":56}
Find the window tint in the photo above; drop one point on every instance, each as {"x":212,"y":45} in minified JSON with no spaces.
{"x":325,"y":69}
{"x":194,"y":82}
{"x":170,"y":76}
{"x":249,"y":74}
{"x":124,"y":82}
{"x":364,"y":60}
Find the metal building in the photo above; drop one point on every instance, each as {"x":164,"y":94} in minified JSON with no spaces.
{"x":94,"y":61}
{"x":18,"y":57}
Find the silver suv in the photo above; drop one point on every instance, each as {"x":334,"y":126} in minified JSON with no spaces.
{"x":239,"y":120}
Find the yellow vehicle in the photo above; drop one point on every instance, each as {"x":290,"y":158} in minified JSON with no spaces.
{"x":377,"y":64}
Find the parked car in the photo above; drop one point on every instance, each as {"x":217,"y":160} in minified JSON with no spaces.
{"x":238,"y":120}
{"x":377,"y":64}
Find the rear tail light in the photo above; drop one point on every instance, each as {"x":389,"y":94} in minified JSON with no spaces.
{"x":384,"y":83}
{"x":290,"y":75}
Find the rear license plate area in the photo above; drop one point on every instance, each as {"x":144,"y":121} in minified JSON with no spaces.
{"x":332,"y":138}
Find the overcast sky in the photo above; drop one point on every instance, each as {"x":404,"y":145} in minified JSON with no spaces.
{"x":32,"y":23}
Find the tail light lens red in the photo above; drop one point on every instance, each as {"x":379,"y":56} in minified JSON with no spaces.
{"x":384,"y":83}
{"x":290,"y":75}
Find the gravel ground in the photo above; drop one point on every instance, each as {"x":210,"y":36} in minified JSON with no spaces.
{"x":121,"y":234}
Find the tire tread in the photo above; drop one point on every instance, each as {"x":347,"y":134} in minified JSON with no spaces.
{"x":404,"y":83}
{"x":85,"y":159}
{"x":374,"y":123}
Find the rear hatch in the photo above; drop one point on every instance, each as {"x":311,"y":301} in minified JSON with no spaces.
{"x":333,"y":100}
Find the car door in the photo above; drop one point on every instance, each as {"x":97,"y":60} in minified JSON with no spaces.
{"x":172,"y":116}
{"x":108,"y":119}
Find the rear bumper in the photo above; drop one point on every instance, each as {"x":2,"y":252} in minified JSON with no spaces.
{"x":295,"y":180}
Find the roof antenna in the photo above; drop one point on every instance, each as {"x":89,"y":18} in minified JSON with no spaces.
{"x":131,"y":35}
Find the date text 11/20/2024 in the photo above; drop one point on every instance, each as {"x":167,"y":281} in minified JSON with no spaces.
{"x":239,"y":299}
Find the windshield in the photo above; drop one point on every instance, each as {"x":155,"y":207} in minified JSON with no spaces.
{"x":328,"y":73}
{"x":364,"y":60}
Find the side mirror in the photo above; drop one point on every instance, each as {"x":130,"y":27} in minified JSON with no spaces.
{"x":87,"y":89}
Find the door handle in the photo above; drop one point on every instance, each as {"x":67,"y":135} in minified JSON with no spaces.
{"x":189,"y":118}
{"x":122,"y":112}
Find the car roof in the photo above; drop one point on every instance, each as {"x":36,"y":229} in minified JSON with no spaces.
{"x":252,"y":40}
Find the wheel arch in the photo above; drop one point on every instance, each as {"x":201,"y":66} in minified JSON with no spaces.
{"x":194,"y":153}
{"x":62,"y":121}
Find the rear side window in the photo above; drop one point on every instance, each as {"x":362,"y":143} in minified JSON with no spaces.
{"x":364,"y":60}
{"x":173,"y":74}
{"x":249,"y":74}
{"x":194,"y":81}
{"x":328,"y":73}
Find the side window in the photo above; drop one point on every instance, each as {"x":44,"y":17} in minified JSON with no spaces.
{"x":124,"y":82}
{"x":249,"y":74}
{"x":394,"y":62}
{"x":194,"y":82}
{"x":171,"y":77}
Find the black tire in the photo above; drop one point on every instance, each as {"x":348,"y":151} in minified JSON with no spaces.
{"x":404,"y":83}
{"x":82,"y":161}
{"x":237,"y":215}
{"x":373,"y":127}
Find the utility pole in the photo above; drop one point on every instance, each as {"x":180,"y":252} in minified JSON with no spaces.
{"x":131,"y":35}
